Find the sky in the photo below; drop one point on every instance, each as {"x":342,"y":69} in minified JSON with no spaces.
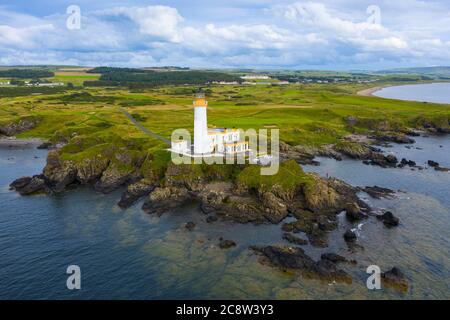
{"x":263,"y":34}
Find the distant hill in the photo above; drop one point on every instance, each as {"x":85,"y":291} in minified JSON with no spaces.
{"x":441,"y":71}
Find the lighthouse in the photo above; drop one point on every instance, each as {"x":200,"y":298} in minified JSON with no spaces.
{"x":201,"y":143}
{"x":210,"y":142}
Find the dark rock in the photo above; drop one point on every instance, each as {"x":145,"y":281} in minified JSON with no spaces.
{"x":288,"y":258}
{"x":207,"y":208}
{"x":113,"y":178}
{"x":379,"y":192}
{"x":134,"y":192}
{"x":315,"y":227}
{"x":389,"y":219}
{"x":211,"y":219}
{"x":405,"y":162}
{"x":44,"y":145}
{"x":394,"y":137}
{"x":432,"y":163}
{"x":394,"y":278}
{"x":350,"y":236}
{"x":20,"y":183}
{"x":391,"y":159}
{"x":354,"y":213}
{"x":327,"y":270}
{"x":333,"y":257}
{"x":190,"y":226}
{"x":37,"y":184}
{"x":436,"y":166}
{"x":59,"y":173}
{"x":383,"y":161}
{"x":163,"y":199}
{"x":293,"y":239}
{"x":226,"y":244}
{"x":412,"y":133}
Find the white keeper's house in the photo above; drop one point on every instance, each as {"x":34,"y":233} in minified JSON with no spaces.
{"x":209,"y":141}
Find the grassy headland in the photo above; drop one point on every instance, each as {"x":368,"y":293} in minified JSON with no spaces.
{"x":87,"y":119}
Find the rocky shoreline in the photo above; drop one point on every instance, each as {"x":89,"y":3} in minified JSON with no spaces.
{"x":364,"y":147}
{"x":312,"y":204}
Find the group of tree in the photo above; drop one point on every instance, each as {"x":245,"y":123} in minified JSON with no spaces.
{"x":144,"y":78}
{"x":26,"y":73}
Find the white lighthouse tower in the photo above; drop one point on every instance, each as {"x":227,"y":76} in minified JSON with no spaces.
{"x":208,"y":142}
{"x":201,"y":142}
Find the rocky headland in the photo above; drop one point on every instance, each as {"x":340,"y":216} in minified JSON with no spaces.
{"x":236,"y":193}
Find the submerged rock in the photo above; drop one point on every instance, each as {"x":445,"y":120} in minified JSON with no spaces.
{"x":288,"y":258}
{"x":405,"y":162}
{"x":327,"y":270}
{"x":350,"y":236}
{"x":389,"y":219}
{"x":437,"y":167}
{"x":293,"y":239}
{"x":315,"y":227}
{"x":333,"y":257}
{"x":432,"y":163}
{"x":394,"y":278}
{"x":211,"y":219}
{"x":379,"y":192}
{"x":190,"y":226}
{"x":226,"y":244}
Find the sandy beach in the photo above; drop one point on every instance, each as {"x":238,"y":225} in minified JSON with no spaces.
{"x":370,"y":91}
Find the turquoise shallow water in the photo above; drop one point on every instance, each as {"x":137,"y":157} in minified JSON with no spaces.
{"x":132,"y":255}
{"x":431,"y":92}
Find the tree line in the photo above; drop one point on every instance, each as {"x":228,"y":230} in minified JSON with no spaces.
{"x":141,"y":78}
{"x":26,"y":73}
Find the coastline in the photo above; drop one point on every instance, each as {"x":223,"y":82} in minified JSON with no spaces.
{"x":370,"y":91}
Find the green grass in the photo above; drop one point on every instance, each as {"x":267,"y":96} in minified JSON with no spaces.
{"x":289,"y":178}
{"x":77,"y":78}
{"x":310,"y":114}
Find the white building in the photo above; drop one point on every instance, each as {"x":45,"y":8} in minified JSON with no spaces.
{"x":209,"y":141}
{"x":256,"y":77}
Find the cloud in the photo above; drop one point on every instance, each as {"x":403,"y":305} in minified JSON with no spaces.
{"x":158,"y":21}
{"x":324,"y":34}
{"x":24,"y":38}
{"x":367,"y":35}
